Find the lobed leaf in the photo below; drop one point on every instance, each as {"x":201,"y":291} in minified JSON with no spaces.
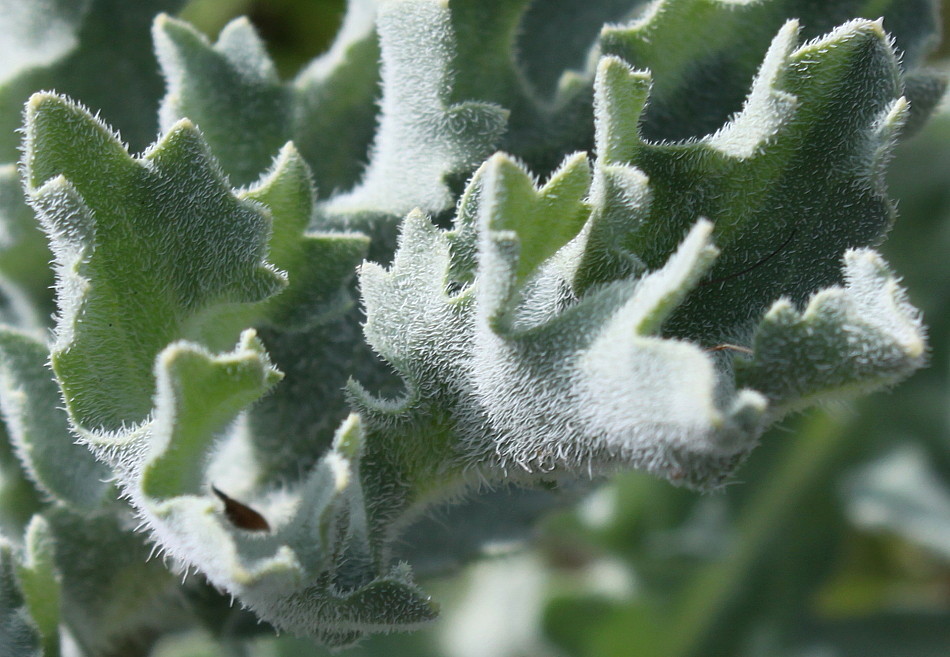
{"x":802,"y":154}
{"x":557,"y":333}
{"x":231,"y":88}
{"x":853,"y":339}
{"x":317,"y":264}
{"x":122,"y":298}
{"x":556,"y":362}
{"x":70,"y":46}
{"x":702,"y":75}
{"x":425,"y":134}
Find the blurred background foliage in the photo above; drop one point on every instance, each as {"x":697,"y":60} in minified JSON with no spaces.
{"x":833,"y":542}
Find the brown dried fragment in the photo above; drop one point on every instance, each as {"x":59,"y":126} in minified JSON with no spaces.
{"x":241,"y":515}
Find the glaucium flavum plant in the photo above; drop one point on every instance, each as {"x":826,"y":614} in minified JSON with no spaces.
{"x":478,"y":254}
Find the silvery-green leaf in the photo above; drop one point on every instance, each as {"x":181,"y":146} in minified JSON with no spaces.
{"x":19,"y":636}
{"x":39,"y":581}
{"x":426,"y":132}
{"x":902,"y":493}
{"x":703,"y":79}
{"x":779,"y":181}
{"x":231,"y":87}
{"x":74,"y":48}
{"x":39,"y":428}
{"x":847,"y":340}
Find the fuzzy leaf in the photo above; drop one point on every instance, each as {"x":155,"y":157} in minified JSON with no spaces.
{"x":425,"y":133}
{"x":488,"y":39}
{"x":702,"y":79}
{"x":39,"y":428}
{"x":202,"y":78}
{"x":318,"y":265}
{"x":569,"y":395}
{"x":336,"y":110}
{"x":853,"y":339}
{"x":303,"y":573}
{"x":611,"y":366}
{"x":199,"y":395}
{"x":756,"y":178}
{"x":542,"y":220}
{"x":556,"y":333}
{"x":113,"y":228}
{"x":231,"y":88}
{"x":19,"y":636}
{"x":87,"y":37}
{"x":551,"y":382}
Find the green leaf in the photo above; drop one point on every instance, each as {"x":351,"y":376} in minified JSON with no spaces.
{"x":39,"y":427}
{"x":541,"y":220}
{"x":702,"y":71}
{"x":594,"y":398}
{"x":803,"y":157}
{"x":550,"y":382}
{"x":902,"y":493}
{"x":558,"y":332}
{"x":559,"y":392}
{"x":866,"y":335}
{"x":231,"y":88}
{"x":311,"y":569}
{"x":114,"y":228}
{"x":234,"y":75}
{"x":39,"y":581}
{"x":197,"y":396}
{"x":89,"y":50}
{"x":318,"y":265}
{"x":18,"y":633}
{"x":410,"y":159}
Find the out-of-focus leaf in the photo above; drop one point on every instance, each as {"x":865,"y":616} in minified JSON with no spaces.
{"x":906,"y":634}
{"x":19,"y":636}
{"x":900,"y":492}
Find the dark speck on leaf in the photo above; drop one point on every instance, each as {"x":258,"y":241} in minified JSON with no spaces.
{"x":242,"y":515}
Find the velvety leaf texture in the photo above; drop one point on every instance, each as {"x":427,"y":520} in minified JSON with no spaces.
{"x":39,"y":428}
{"x":232,"y":87}
{"x":480,"y":254}
{"x":69,"y":45}
{"x":134,"y":300}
